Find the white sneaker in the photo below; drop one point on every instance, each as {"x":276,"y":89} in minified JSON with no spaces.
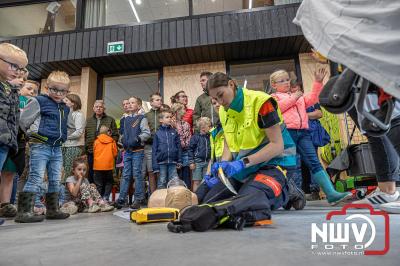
{"x":391,"y":207}
{"x":377,"y":198}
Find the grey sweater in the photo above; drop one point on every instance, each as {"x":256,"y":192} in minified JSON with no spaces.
{"x":76,"y":129}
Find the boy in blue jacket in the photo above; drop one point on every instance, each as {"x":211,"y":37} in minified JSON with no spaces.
{"x":44,"y":119}
{"x":200,"y":151}
{"x":134,"y":131}
{"x":166,"y":150}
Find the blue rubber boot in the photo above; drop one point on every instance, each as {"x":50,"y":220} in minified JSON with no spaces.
{"x":332,"y":195}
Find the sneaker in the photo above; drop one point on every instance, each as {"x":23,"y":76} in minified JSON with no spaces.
{"x":137,"y":204}
{"x":69,"y":208}
{"x":377,"y":197}
{"x":106,"y":208}
{"x":7,"y":210}
{"x":297,"y":198}
{"x":119,"y":205}
{"x":391,"y":207}
{"x":94,"y":208}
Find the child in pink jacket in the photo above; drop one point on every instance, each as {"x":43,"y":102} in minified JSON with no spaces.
{"x":293,"y":107}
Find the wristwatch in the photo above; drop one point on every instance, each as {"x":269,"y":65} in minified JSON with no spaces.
{"x":245,"y":161}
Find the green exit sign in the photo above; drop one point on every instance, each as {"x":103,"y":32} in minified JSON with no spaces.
{"x":115,"y":47}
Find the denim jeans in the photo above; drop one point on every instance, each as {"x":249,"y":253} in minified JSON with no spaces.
{"x":306,"y":152}
{"x":3,"y":155}
{"x":200,"y":170}
{"x":44,"y":157}
{"x":308,"y":183}
{"x":305,"y":148}
{"x":167,"y":172}
{"x":132,"y":168}
{"x":14,"y":189}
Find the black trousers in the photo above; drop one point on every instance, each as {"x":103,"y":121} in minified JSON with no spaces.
{"x":268,"y":185}
{"x":90,"y":166}
{"x":385,"y":151}
{"x":103,"y":181}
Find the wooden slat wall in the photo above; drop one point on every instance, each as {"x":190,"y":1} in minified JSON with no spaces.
{"x":187,"y":78}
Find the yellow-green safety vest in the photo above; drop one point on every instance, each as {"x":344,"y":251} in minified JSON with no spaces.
{"x":245,"y":137}
{"x":216,"y":143}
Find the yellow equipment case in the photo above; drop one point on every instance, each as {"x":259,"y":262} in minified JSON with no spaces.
{"x":151,"y":215}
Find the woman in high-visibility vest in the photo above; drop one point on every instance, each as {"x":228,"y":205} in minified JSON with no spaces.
{"x":256,"y":145}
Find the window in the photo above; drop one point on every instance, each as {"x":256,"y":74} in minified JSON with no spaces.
{"x":37,"y":18}
{"x":286,"y":2}
{"x":255,"y":76}
{"x":214,"y":6}
{"x":117,"y":89}
{"x":113,"y":12}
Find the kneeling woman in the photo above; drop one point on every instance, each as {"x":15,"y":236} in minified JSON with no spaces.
{"x":256,"y":146}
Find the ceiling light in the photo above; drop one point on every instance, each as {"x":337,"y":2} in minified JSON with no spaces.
{"x":134,"y":11}
{"x":138,"y":2}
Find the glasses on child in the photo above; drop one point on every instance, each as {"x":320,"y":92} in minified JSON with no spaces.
{"x":58,"y":92}
{"x":15,"y":67}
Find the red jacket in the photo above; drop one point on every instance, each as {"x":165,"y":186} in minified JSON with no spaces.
{"x":294,"y":111}
{"x":188,"y":117}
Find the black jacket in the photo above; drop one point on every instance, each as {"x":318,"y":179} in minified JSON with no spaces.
{"x":199,"y":148}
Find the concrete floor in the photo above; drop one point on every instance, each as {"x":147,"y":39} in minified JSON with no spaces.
{"x":104,"y":239}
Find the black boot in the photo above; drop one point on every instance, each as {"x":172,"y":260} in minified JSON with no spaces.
{"x":52,"y":208}
{"x":297,"y":198}
{"x":25,"y":209}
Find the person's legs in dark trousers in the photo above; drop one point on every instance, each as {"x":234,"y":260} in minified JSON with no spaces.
{"x":385,"y":152}
{"x":99,"y":180}
{"x":184,"y":174}
{"x":220,"y":192}
{"x":202,"y":191}
{"x":108,"y":183}
{"x":90,"y":166}
{"x":270,"y":186}
{"x":305,"y":173}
